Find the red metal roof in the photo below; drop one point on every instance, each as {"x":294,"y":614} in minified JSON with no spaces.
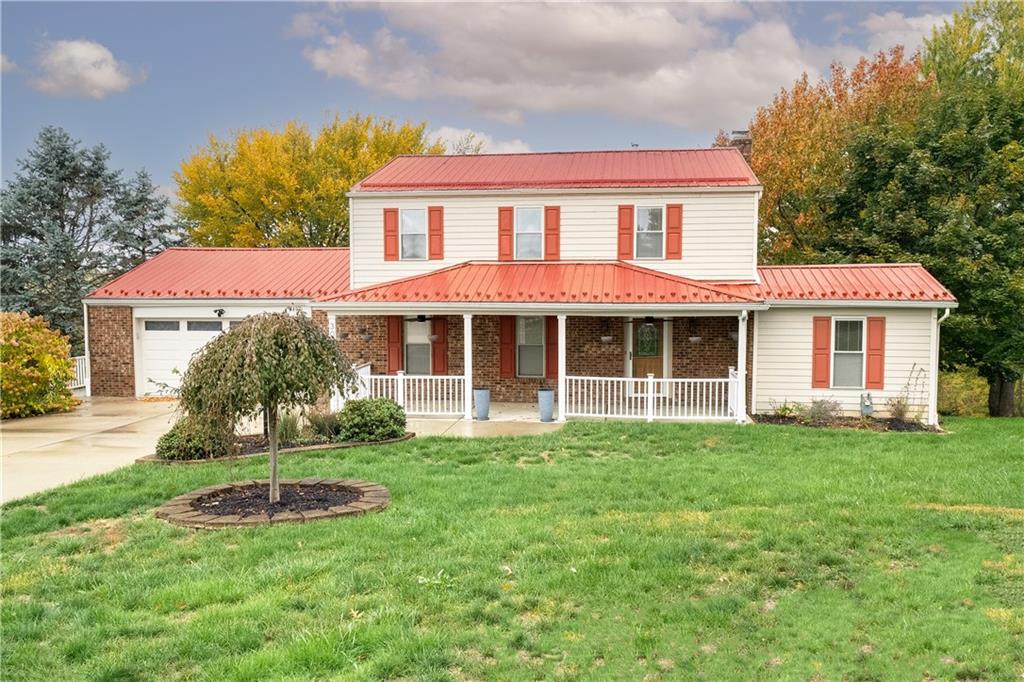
{"x":716,"y":166}
{"x":234,"y":273}
{"x":545,"y":282}
{"x":902,"y":282}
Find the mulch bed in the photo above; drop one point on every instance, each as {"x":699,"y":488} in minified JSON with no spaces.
{"x":246,"y":503}
{"x":871,"y":424}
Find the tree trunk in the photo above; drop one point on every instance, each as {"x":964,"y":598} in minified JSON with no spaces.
{"x":1000,"y":397}
{"x":275,"y":489}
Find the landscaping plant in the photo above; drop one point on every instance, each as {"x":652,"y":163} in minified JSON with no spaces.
{"x":197,"y":438}
{"x":35,"y":364}
{"x":267,"y":363}
{"x":372,"y":419}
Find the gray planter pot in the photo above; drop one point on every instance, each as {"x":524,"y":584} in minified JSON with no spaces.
{"x":546,"y":402}
{"x":482,"y":400}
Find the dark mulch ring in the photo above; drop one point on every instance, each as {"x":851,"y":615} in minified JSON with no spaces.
{"x":294,"y":498}
{"x":248,"y":445}
{"x":867,"y":424}
{"x":247,"y":503}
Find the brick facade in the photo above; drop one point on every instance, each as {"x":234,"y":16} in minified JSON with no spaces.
{"x":112,"y":351}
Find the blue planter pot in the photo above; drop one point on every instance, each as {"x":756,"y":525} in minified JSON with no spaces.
{"x":546,"y":402}
{"x":482,"y":400}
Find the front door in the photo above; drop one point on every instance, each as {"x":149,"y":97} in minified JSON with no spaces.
{"x":648,"y":349}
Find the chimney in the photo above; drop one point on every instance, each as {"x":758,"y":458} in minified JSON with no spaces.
{"x":741,"y":140}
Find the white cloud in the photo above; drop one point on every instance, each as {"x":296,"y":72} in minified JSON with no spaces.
{"x":6,"y":65}
{"x":895,"y":28}
{"x":82,"y":68}
{"x":674,"y":64}
{"x":449,"y":136}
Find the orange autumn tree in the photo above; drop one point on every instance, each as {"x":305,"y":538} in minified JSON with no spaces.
{"x":800,"y":137}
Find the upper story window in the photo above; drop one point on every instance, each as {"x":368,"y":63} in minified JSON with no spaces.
{"x":848,"y":353}
{"x":529,"y":233}
{"x":650,"y":232}
{"x":530,"y":346}
{"x":412,"y":224}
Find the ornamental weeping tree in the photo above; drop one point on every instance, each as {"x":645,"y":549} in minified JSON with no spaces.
{"x":269,"y":362}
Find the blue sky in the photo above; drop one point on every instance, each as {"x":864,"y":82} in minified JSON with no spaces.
{"x":153,"y":80}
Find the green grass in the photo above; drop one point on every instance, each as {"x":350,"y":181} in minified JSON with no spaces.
{"x":607,"y":551}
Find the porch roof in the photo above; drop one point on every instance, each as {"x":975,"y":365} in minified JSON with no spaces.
{"x":558,"y":282}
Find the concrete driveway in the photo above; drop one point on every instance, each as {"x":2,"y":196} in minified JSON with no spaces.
{"x":103,"y":434}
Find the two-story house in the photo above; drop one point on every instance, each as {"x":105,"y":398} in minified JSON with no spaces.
{"x":627,"y":281}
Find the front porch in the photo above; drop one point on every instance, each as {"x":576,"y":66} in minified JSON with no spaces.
{"x":599,"y":367}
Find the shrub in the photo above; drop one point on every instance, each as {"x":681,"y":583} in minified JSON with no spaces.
{"x":963,"y":393}
{"x":899,"y":407}
{"x":371,"y":419}
{"x":786,"y":409}
{"x":324,"y":424}
{"x":194,"y":438}
{"x":35,"y":366}
{"x":288,"y":428}
{"x":821,"y":411}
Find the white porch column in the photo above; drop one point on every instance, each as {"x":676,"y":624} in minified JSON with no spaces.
{"x":741,"y":369}
{"x":562,"y":383}
{"x":467,"y":371}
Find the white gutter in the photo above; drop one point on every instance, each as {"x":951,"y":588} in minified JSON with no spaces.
{"x":847,"y":303}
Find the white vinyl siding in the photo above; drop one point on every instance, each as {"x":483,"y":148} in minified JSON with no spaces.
{"x":783,"y":358}
{"x":719,"y":231}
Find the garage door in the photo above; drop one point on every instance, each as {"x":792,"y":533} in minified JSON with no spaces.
{"x":166,"y":348}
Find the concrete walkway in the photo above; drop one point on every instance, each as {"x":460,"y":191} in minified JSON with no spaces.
{"x":506,"y":419}
{"x":103,"y":434}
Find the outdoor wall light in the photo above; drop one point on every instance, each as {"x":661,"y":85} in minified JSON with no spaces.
{"x":433,"y":338}
{"x":694,"y":335}
{"x":219,"y":312}
{"x":734,"y":336}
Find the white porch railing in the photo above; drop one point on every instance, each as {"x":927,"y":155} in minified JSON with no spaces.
{"x":81,"y":372}
{"x":651,"y":398}
{"x":417,"y":394}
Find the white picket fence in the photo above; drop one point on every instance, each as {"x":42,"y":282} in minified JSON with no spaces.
{"x":419,"y":395}
{"x":81,"y":377}
{"x":650,"y":398}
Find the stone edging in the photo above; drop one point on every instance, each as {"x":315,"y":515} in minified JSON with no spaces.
{"x":153,"y":459}
{"x":180,"y":511}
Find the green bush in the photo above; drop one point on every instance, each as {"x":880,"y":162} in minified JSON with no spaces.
{"x":288,"y":428}
{"x":35,"y":367}
{"x":371,"y":419}
{"x":821,"y":412}
{"x":324,"y":424}
{"x":963,"y":393}
{"x":194,"y":438}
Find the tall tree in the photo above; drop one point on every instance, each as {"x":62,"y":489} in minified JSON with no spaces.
{"x":63,"y":222}
{"x":141,"y":227}
{"x":799,"y":140}
{"x":288,"y":188}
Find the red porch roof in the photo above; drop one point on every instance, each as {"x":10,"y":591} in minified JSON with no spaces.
{"x":898,"y":282}
{"x":713,"y":167}
{"x":234,"y":273}
{"x":546,"y":282}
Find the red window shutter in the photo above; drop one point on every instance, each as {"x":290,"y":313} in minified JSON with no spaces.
{"x":822,"y":349}
{"x":506,"y":237}
{"x":674,"y":232}
{"x":439,"y":348}
{"x":625,"y":233}
{"x":435,"y":230}
{"x":552,"y":232}
{"x":390,"y":234}
{"x":507,"y":346}
{"x":876,"y":353}
{"x":551,"y":347}
{"x":396,"y":354}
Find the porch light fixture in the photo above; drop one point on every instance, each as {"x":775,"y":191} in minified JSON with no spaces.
{"x":365,"y":334}
{"x":734,"y":336}
{"x":694,"y":336}
{"x":606,"y":332}
{"x":433,"y":338}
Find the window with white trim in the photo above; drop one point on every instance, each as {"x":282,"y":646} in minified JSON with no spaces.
{"x":530,"y":346}
{"x":529,"y":233}
{"x":417,"y":346}
{"x":848,"y":352}
{"x":204,"y":325}
{"x":412,"y":228}
{"x":162,"y":325}
{"x":650,"y":232}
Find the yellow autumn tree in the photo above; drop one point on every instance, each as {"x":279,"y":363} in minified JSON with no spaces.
{"x":287,"y":187}
{"x":800,"y":138}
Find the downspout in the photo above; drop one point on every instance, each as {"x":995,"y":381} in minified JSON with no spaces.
{"x":933,"y":401}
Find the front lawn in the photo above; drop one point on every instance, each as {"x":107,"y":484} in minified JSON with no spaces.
{"x":610,"y":551}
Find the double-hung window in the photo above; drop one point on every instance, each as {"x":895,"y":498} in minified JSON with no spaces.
{"x":650,"y":232}
{"x":413,"y":229}
{"x":529,"y":233}
{"x":848,"y":352}
{"x":417,"y":347}
{"x":530,"y":346}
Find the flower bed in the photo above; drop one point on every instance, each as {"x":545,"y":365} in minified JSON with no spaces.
{"x":867,"y":424}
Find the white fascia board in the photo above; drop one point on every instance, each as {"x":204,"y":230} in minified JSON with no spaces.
{"x":726,"y":189}
{"x":847,"y":303}
{"x":199,"y":302}
{"x":573,"y":309}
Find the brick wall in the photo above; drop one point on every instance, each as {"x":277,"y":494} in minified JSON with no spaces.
{"x":112,"y":351}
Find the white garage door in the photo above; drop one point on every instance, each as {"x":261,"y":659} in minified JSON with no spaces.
{"x":166,"y":348}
